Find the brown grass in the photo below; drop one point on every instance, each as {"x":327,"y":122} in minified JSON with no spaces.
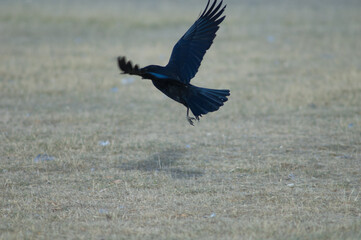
{"x":281,"y":159}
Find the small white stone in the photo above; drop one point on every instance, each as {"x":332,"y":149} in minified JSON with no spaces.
{"x":104,"y":143}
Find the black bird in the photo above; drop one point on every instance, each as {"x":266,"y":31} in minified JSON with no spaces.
{"x":173,"y":79}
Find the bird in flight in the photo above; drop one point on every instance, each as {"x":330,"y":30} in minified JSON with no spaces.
{"x":174,"y":78}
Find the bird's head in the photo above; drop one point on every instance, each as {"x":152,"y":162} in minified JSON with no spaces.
{"x":154,"y":72}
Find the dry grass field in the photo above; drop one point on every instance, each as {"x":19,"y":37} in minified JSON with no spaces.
{"x":86,"y":153}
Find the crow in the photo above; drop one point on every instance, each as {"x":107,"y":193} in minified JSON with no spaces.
{"x":174,"y":78}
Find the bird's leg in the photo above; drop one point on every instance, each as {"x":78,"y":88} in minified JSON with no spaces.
{"x":190,"y":119}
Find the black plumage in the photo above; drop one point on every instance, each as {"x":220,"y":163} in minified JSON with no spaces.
{"x":174,"y":78}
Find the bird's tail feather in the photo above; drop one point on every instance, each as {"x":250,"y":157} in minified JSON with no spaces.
{"x":204,"y":100}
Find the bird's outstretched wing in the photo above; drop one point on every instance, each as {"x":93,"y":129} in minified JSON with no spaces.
{"x":127,"y":67}
{"x":188,"y":53}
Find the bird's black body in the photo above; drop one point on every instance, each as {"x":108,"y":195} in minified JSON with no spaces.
{"x":174,"y":78}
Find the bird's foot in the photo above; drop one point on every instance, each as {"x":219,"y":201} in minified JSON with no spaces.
{"x":190,"y":120}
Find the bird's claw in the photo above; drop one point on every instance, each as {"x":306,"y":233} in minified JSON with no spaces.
{"x":190,"y":120}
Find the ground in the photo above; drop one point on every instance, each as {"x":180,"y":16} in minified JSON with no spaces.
{"x":87,"y":153}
